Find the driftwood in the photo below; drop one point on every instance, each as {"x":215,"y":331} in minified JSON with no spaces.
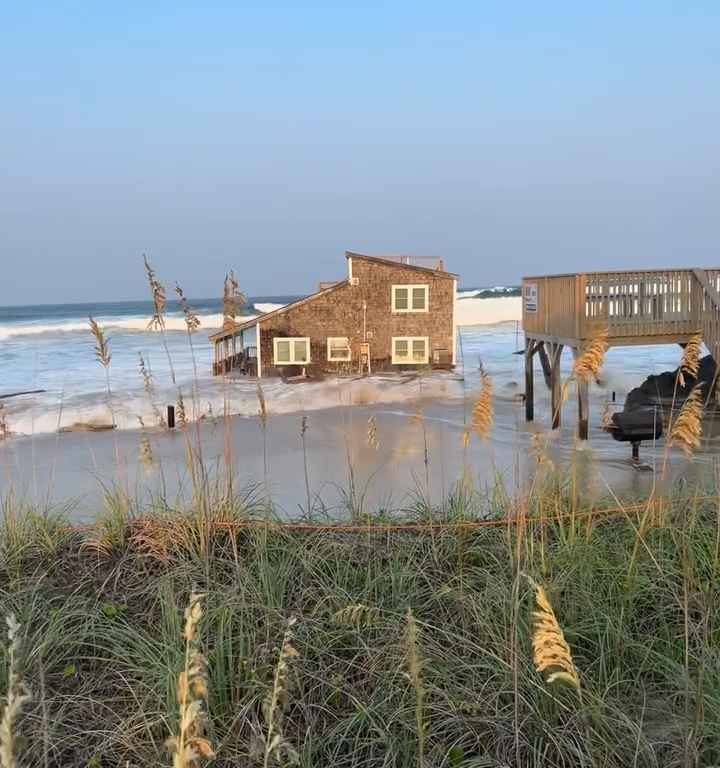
{"x":88,"y":426}
{"x":26,"y":392}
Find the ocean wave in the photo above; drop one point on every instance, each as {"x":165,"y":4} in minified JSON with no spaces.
{"x":130,"y":324}
{"x":265,"y":308}
{"x":48,"y":412}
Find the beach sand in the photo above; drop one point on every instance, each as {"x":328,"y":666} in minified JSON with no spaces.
{"x":75,"y":468}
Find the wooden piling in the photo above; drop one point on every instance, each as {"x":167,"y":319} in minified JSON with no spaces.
{"x":529,"y":380}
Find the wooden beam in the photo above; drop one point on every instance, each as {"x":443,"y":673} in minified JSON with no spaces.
{"x":555,"y":388}
{"x":530,"y":347}
{"x":583,"y":400}
{"x":545,"y":362}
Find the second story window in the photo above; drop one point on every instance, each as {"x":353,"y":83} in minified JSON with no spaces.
{"x":410,"y":298}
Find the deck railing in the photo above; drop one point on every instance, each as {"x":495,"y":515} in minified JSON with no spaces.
{"x":630,"y":305}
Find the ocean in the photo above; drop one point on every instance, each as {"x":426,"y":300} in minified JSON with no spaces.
{"x":48,"y":351}
{"x":50,"y":348}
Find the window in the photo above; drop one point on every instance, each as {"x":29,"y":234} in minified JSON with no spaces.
{"x":338,"y":348}
{"x":410,"y":298}
{"x":291,"y":351}
{"x":409,"y":350}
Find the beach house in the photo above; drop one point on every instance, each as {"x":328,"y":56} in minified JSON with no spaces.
{"x":388,"y":313}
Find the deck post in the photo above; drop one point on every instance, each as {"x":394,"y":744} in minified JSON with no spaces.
{"x":556,"y":394}
{"x":583,"y":398}
{"x":529,"y":380}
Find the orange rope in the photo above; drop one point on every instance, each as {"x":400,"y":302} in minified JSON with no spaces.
{"x":416,"y":526}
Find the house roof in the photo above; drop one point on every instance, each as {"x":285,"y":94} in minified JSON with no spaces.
{"x":238,"y":327}
{"x":394,"y":260}
{"x":404,"y":261}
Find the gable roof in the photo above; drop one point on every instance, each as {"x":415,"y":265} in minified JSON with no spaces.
{"x":402,"y":261}
{"x":238,"y":327}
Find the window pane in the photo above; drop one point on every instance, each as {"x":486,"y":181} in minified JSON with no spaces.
{"x":419,"y":349}
{"x":401,"y":298}
{"x":418,"y":298}
{"x":283,"y":352}
{"x":339,"y":349}
{"x":401,"y":348}
{"x":301,"y":355}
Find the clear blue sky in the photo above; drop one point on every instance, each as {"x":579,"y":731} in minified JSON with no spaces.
{"x":508,"y":137}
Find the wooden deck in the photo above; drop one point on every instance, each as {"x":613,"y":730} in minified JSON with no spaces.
{"x":633,"y":307}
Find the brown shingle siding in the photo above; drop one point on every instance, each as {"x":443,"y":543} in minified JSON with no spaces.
{"x":348,"y":310}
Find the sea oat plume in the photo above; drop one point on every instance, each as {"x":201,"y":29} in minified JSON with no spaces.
{"x":414,"y":663}
{"x":192,"y":321}
{"x":275,"y":745}
{"x":16,"y":698}
{"x":191,"y":746}
{"x":690,"y":363}
{"x":587,"y":365}
{"x":157,"y":321}
{"x":687,"y":427}
{"x":149,"y":386}
{"x":262,"y":406}
{"x":102,"y":345}
{"x":551,"y":653}
{"x":233,"y":299}
{"x":181,"y":411}
{"x":146,"y":452}
{"x":483,"y":413}
{"x":4,"y":428}
{"x":372,"y":436}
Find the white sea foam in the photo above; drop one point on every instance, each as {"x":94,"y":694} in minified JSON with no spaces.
{"x":265,"y":308}
{"x":129,"y":324}
{"x":57,"y":357}
{"x":36,"y":414}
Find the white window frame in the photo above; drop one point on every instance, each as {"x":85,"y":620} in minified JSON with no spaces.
{"x":409,"y":359}
{"x":332,"y":359}
{"x":292,"y":360}
{"x":409,"y":289}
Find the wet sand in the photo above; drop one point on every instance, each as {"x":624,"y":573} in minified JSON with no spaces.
{"x":72,"y":469}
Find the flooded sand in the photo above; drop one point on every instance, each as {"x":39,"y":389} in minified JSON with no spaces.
{"x":75,"y":468}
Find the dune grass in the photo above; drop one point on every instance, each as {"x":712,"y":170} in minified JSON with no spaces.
{"x":369,"y":645}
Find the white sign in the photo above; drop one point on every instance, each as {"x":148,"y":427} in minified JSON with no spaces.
{"x":530,"y":294}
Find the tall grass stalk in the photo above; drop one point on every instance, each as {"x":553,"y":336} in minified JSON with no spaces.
{"x":157,"y":321}
{"x":16,"y":697}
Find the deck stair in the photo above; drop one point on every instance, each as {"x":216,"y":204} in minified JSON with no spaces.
{"x":634,"y":308}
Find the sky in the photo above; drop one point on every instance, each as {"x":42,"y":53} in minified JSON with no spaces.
{"x":507,"y":137}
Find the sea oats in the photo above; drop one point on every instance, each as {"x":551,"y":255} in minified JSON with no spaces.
{"x":157,"y":289}
{"x":146,"y":452}
{"x":414,"y":664}
{"x":587,"y":365}
{"x":262,"y":406}
{"x":4,"y":428}
{"x":192,"y":322}
{"x":181,"y":411}
{"x":690,"y":363}
{"x":233,"y":299}
{"x":551,"y":653}
{"x":372,"y":435}
{"x":686,"y":429}
{"x":149,"y":387}
{"x":102,"y":345}
{"x":483,"y":414}
{"x":356,"y":615}
{"x":16,"y":698}
{"x":190,"y":746}
{"x":275,"y":745}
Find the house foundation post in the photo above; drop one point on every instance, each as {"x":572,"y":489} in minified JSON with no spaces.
{"x":529,"y":380}
{"x":555,"y":384}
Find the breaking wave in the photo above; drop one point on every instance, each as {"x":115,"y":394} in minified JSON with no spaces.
{"x":132,"y":324}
